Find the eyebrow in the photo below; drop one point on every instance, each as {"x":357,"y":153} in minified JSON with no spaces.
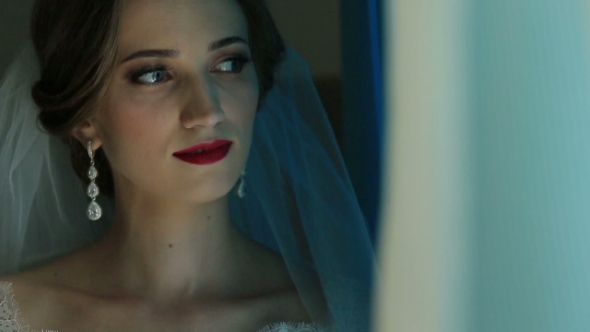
{"x":164,"y":53}
{"x":153,"y":54}
{"x":225,"y":42}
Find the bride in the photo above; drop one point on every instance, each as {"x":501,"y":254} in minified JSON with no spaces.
{"x":191,"y":229}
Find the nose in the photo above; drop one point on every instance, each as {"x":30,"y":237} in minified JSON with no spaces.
{"x":203,"y":108}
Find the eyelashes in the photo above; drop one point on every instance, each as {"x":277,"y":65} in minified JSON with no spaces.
{"x":160,"y":74}
{"x":151,"y":75}
{"x":232,"y":65}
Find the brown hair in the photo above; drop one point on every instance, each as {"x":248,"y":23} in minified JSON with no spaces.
{"x":76,"y":43}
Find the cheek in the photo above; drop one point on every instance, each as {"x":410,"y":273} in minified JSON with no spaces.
{"x":241,"y":114}
{"x":129,"y":129}
{"x":241,"y":110}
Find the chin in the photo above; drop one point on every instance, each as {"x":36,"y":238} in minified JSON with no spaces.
{"x":208,"y":192}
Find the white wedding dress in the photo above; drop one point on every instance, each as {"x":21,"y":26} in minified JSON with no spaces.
{"x":10,"y":320}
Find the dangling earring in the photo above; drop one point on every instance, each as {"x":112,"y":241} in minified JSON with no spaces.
{"x":94,"y":210}
{"x":242,"y":186}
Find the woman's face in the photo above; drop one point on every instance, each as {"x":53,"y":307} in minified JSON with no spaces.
{"x":184,"y":76}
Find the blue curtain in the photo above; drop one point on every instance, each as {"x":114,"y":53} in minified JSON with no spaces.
{"x":363,"y":102}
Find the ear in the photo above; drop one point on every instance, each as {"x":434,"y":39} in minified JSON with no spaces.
{"x":86,"y":131}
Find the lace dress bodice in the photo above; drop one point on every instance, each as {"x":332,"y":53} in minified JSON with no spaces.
{"x":10,"y":320}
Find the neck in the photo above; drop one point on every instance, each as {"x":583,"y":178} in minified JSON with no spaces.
{"x":168,"y":250}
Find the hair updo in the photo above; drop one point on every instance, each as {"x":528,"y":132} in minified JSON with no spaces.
{"x":76,"y":43}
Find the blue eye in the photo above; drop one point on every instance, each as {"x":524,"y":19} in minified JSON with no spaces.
{"x":152,"y":76}
{"x":233,"y":65}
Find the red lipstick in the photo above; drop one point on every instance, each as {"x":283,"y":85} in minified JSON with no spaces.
{"x":205,"y":153}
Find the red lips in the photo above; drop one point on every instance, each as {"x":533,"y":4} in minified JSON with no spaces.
{"x":205,"y":153}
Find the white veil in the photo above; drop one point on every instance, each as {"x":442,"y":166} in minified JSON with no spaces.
{"x":299,"y":200}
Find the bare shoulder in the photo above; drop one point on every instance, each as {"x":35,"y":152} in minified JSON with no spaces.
{"x":269,"y":274}
{"x":41,"y":294}
{"x":61,"y":271}
{"x":25,"y":299}
{"x":70,"y":290}
{"x":264,"y":270}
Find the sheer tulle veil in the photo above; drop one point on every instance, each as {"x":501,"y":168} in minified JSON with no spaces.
{"x":299,"y":200}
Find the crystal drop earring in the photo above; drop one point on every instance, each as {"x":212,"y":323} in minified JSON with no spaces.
{"x":94,"y":211}
{"x":241,"y":192}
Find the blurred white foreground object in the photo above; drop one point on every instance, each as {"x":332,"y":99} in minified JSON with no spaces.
{"x":486,"y":220}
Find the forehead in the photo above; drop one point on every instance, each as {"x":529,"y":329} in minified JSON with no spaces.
{"x":179,"y":23}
